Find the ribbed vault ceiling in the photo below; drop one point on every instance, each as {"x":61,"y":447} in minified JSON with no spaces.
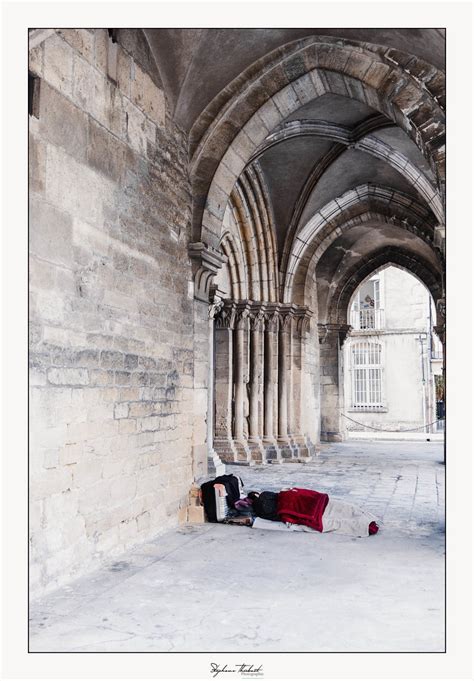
{"x":196,"y":64}
{"x":326,"y":148}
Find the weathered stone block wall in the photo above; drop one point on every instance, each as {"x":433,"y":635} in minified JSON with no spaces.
{"x":111,"y":310}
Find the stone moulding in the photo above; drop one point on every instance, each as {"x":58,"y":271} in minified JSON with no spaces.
{"x":327,"y":332}
{"x":207,"y":261}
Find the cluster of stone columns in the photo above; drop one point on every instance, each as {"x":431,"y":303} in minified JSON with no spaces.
{"x":331,"y":339}
{"x":258,"y":363}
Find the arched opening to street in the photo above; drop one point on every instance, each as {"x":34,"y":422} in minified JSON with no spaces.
{"x":392,"y":360}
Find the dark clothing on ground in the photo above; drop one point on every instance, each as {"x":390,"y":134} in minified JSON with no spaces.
{"x":265,"y":505}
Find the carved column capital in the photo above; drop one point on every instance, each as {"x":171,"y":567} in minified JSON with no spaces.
{"x":206,"y":263}
{"x":216,"y":302}
{"x":226,"y":316}
{"x":303,"y":318}
{"x":256,"y":316}
{"x":328,"y":332}
{"x":441,"y":309}
{"x":242,"y":308}
{"x":272,"y":316}
{"x":286,"y":313}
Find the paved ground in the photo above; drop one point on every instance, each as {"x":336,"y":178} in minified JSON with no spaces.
{"x":220,"y":588}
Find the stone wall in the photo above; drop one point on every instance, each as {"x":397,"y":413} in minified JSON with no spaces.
{"x":111,"y":308}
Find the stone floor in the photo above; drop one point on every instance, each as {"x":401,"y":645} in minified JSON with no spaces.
{"x":219,"y":588}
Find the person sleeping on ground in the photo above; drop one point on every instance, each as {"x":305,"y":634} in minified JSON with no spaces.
{"x":295,"y":509}
{"x":310,"y":509}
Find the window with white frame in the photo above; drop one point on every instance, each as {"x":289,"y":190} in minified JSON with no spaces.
{"x":366,"y":312}
{"x":366,"y":367}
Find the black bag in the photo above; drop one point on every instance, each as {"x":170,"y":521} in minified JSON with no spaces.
{"x":265,"y":505}
{"x":232,"y":484}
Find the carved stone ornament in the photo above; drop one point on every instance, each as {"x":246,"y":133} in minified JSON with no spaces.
{"x":206,"y":263}
{"x":303,"y":319}
{"x":441,"y":308}
{"x":242,"y":315}
{"x":286,"y":317}
{"x":226,"y":316}
{"x":272,"y":317}
{"x":257,"y":318}
{"x":214,"y":307}
{"x":328,"y":332}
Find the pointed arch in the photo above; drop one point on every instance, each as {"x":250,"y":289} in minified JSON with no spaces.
{"x":289,"y":79}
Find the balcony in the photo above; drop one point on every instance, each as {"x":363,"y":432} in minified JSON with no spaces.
{"x":367,"y":319}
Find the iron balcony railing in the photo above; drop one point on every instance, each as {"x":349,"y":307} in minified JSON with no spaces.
{"x":370,"y":318}
{"x":368,"y":407}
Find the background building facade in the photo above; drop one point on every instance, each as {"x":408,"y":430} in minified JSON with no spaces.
{"x":392,"y":355}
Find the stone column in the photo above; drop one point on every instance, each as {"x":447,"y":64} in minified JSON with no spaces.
{"x":284,"y":369}
{"x":224,"y":378}
{"x":240,"y":363}
{"x":255,"y":376}
{"x":290,"y":380}
{"x":215,"y":466}
{"x":331,"y":338}
{"x":297,"y":359}
{"x":270,"y":381}
{"x":300,"y":327}
{"x":206,"y":261}
{"x":256,"y":382}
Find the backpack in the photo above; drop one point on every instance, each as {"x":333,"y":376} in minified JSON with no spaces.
{"x":265,"y":505}
{"x":233,"y":486}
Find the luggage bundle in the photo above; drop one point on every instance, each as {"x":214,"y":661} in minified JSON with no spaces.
{"x":220,"y":495}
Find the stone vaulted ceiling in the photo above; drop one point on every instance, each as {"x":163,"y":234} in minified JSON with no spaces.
{"x":345,"y":162}
{"x":196,"y":64}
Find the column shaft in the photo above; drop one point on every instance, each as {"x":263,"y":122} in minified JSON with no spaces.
{"x":283,"y":381}
{"x":269,"y":361}
{"x":255,"y":380}
{"x":295,"y":402}
{"x":223,"y":382}
{"x":239,"y":384}
{"x":331,"y":338}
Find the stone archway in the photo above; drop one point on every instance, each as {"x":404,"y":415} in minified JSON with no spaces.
{"x":278,"y":89}
{"x":334,"y":326}
{"x":248,"y":119}
{"x":364,"y":205}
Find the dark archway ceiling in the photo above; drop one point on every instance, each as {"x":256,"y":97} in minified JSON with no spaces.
{"x":196,"y":64}
{"x":399,"y":140}
{"x":286,"y":167}
{"x":327,"y":147}
{"x":336,"y":168}
{"x":352,"y":169}
{"x":334,"y":108}
{"x":356,"y":246}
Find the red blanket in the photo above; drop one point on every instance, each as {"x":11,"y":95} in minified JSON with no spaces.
{"x":302,"y":507}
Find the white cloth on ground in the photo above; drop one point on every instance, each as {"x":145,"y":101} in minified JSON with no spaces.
{"x":262,"y":524}
{"x":339,"y":517}
{"x":342,"y":517}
